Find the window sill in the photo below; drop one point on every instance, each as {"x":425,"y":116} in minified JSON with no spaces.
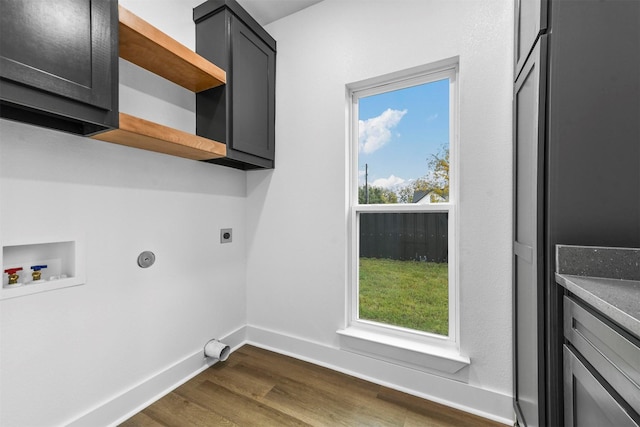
{"x":443,"y":357}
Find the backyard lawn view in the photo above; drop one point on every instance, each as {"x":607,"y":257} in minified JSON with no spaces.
{"x":409,"y":294}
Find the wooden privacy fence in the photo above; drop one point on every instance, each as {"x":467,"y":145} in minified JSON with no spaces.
{"x":418,"y":236}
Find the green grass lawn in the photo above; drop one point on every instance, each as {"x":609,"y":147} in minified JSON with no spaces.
{"x":409,"y":294}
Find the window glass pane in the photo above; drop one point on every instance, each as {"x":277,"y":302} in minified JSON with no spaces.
{"x":403,"y":145}
{"x":403,"y":270}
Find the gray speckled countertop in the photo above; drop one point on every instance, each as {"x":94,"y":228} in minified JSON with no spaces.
{"x":615,"y":298}
{"x":606,"y":278}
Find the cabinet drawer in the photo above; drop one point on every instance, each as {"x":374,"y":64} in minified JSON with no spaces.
{"x":613,"y":355}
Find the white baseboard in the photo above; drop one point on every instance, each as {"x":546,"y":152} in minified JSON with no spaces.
{"x":485,"y":403}
{"x":456,"y":394}
{"x":138,"y":397}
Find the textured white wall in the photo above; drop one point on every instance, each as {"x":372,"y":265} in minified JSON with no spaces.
{"x":297,"y":240}
{"x":67,"y":351}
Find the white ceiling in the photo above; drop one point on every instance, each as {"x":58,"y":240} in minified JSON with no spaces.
{"x":267,"y":11}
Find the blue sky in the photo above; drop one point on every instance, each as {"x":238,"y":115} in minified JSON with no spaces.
{"x":399,"y":131}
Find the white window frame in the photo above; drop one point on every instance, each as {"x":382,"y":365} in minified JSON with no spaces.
{"x":412,"y":348}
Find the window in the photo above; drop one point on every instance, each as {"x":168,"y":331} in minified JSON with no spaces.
{"x":403,"y":133}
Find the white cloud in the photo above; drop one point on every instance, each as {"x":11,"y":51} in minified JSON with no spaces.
{"x":432,"y":117}
{"x":375,"y":132}
{"x":389,"y":183}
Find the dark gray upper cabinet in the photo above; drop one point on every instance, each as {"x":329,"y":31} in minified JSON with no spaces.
{"x":59,"y":63}
{"x":241,"y":113}
{"x":530,"y":22}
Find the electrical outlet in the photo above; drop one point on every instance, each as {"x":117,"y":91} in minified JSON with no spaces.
{"x":226,"y":235}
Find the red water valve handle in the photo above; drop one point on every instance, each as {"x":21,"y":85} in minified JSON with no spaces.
{"x":13,"y":270}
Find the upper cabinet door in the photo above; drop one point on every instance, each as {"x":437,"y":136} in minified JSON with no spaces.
{"x":253,"y":93}
{"x":55,"y":55}
{"x":530,"y":21}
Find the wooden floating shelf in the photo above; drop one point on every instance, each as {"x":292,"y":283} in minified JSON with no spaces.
{"x":140,"y":133}
{"x":144,"y":45}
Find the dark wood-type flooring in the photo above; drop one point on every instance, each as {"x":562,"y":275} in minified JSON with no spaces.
{"x":256,"y":387}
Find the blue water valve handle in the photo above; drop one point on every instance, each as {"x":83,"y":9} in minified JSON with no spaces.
{"x":38,"y":267}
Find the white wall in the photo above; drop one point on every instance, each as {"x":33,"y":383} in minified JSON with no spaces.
{"x":297,"y":215}
{"x":64,"y":353}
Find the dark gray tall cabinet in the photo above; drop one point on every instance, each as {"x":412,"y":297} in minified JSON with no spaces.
{"x":576,"y":169}
{"x":528,"y":248}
